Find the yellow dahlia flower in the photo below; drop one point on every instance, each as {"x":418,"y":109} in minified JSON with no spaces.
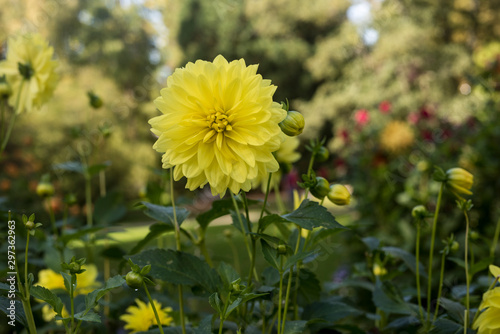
{"x":86,"y":282}
{"x":396,"y":137}
{"x":141,"y":317}
{"x":488,"y":321}
{"x":459,"y":180}
{"x":30,"y":72}
{"x":48,"y":313}
{"x":219,"y":125}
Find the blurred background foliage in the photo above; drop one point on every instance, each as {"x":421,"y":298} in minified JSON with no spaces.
{"x":435,"y":65}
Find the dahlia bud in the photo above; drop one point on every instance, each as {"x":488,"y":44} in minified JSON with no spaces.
{"x":339,"y":194}
{"x":45,"y":189}
{"x":459,"y":180}
{"x":454,"y":246}
{"x":419,"y":212}
{"x":322,"y":154}
{"x":321,"y":189}
{"x":281,"y":249}
{"x":94,"y":100}
{"x":293,"y":124}
{"x":134,"y":279}
{"x":74,"y":266}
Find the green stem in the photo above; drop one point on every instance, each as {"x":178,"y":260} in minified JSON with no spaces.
{"x":417,"y":272}
{"x":203,"y":248}
{"x":26,"y":266}
{"x":467,"y":278}
{"x":265,"y":199}
{"x":309,"y":170}
{"x":178,"y":244}
{"x":3,"y":102}
{"x":153,"y":307}
{"x":12,"y":120}
{"x":495,"y":240}
{"x":280,"y":293}
{"x":102,"y":183}
{"x":71,"y":296}
{"x":431,"y":252}
{"x":290,"y":276}
{"x":26,"y":295}
{"x":441,"y":278}
{"x":222,"y":316}
{"x":52,"y":217}
{"x":241,"y":226}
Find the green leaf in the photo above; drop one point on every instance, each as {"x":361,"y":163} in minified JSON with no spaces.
{"x":219,"y":208}
{"x":165,"y":214}
{"x":310,"y":215}
{"x":47,"y":296}
{"x":79,"y":234}
{"x":268,"y":220}
{"x":389,"y":299}
{"x":270,"y":255}
{"x":215,"y":302}
{"x":408,"y":258}
{"x":109,"y":209}
{"x":241,"y":299}
{"x":179,"y":268}
{"x":227,"y":273}
{"x":237,"y":223}
{"x":113,"y":252}
{"x":19,"y":315}
{"x":454,"y":310}
{"x":329,"y":311}
{"x":479,"y":266}
{"x":371,"y":242}
{"x":322,"y":234}
{"x":89,"y":316}
{"x":155,"y":231}
{"x":295,"y":327}
{"x":292,"y":260}
{"x":70,"y":166}
{"x":94,"y":169}
{"x":269,"y":238}
{"x":446,"y":326}
{"x":309,"y":285}
{"x":92,"y":298}
{"x":67,"y":280}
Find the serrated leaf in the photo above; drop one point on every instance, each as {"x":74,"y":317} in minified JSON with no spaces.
{"x":292,"y":260}
{"x":408,"y":258}
{"x":92,"y":298}
{"x":109,"y":209}
{"x":179,"y":268}
{"x":269,"y":238}
{"x":310,"y":215}
{"x":215,"y":302}
{"x":241,"y":299}
{"x":389,"y":299}
{"x":269,"y":220}
{"x":270,"y":254}
{"x":67,"y":280}
{"x":165,"y":214}
{"x":89,"y":316}
{"x":219,"y":208}
{"x":47,"y":296}
{"x":155,"y":231}
{"x":227,"y":273}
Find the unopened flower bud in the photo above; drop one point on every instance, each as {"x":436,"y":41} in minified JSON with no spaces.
{"x":134,"y":280}
{"x":228,"y":233}
{"x":322,"y":154}
{"x":45,"y":189}
{"x":29,"y":225}
{"x":321,"y":189}
{"x":281,"y":249}
{"x":339,"y":194}
{"x":293,"y":124}
{"x":94,"y":100}
{"x":70,"y":199}
{"x":454,"y":246}
{"x":474,"y":235}
{"x":459,"y":180}
{"x":419,"y":212}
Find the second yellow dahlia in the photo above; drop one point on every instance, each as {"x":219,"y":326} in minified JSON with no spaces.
{"x":219,"y":125}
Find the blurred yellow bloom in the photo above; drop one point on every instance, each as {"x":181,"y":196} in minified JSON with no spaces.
{"x":219,"y":125}
{"x":396,"y":137}
{"x":459,"y":180}
{"x":488,"y":321}
{"x":379,"y":270}
{"x":339,"y":194}
{"x":141,"y":317}
{"x":30,"y":71}
{"x":48,"y":313}
{"x":85,"y":282}
{"x":494,"y":270}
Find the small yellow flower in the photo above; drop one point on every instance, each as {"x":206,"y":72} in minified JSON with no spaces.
{"x":86,"y":282}
{"x":396,"y":137}
{"x":30,"y":72}
{"x":48,"y":313}
{"x":459,"y":180}
{"x":139,"y":318}
{"x":219,"y":125}
{"x":488,"y":320}
{"x":378,"y":270}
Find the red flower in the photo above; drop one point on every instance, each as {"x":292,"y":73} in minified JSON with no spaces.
{"x":384,"y":107}
{"x":361,"y":117}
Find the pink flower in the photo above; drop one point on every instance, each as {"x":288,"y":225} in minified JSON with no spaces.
{"x":413,"y":117}
{"x":385,"y":107}
{"x":361,"y":117}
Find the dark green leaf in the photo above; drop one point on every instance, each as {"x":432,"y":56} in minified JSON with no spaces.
{"x":371,"y":242}
{"x":67,"y":280}
{"x":47,"y":296}
{"x":269,"y":238}
{"x":310,"y":215}
{"x":92,"y":298}
{"x":113,"y":252}
{"x":155,"y":231}
{"x":408,"y":258}
{"x":295,"y":327}
{"x":270,"y":255}
{"x":179,"y":268}
{"x":479,"y":266}
{"x":445,"y":326}
{"x":18,"y":314}
{"x":241,"y":299}
{"x":79,"y":234}
{"x":219,"y":208}
{"x":309,"y":286}
{"x":237,"y":223}
{"x":329,"y":311}
{"x":227,"y":273}
{"x":215,"y":302}
{"x":165,"y":214}
{"x":271,"y":219}
{"x":109,"y":209}
{"x":292,"y":260}
{"x":389,"y":299}
{"x":454,"y":310}
{"x":90,"y":316}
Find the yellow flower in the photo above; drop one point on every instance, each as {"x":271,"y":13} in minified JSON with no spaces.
{"x":339,"y":194}
{"x":85,"y":282}
{"x":378,"y":270}
{"x":494,"y":270}
{"x":48,"y":313}
{"x":142,"y":317}
{"x":396,"y":137}
{"x":30,"y":72}
{"x":487,"y":321}
{"x":219,"y":125}
{"x":459,"y":180}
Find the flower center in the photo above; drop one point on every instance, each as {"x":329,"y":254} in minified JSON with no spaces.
{"x":218,"y":121}
{"x":26,"y":70}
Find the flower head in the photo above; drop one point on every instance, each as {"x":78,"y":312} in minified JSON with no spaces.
{"x":219,"y":125}
{"x":396,"y":137}
{"x":487,"y":321}
{"x":385,"y":107}
{"x":339,"y":194}
{"x":362,"y":117}
{"x":139,"y":318}
{"x":30,"y":72}
{"x":459,"y":180}
{"x":86,"y":281}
